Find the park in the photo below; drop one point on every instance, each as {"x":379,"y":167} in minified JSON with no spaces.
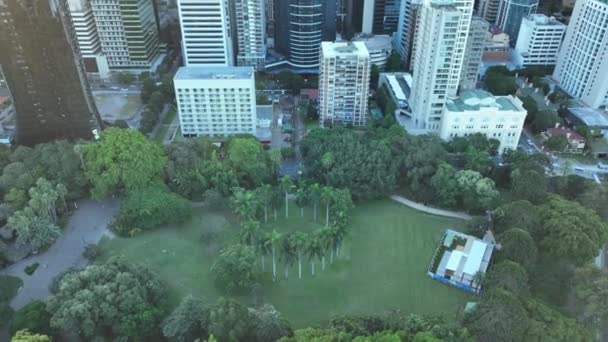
{"x":382,"y":265}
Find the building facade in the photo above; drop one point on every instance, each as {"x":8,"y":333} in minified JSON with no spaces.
{"x":403,"y":39}
{"x":215,"y":101}
{"x":511,"y":13}
{"x":84,"y":26}
{"x":488,"y":10}
{"x":250,"y":19}
{"x":476,"y":42}
{"x":343,"y":83}
{"x":380,"y":16}
{"x":128,"y":32}
{"x":206,"y":30}
{"x":40,"y":61}
{"x":582,"y":63}
{"x":300,"y":27}
{"x":439,"y":48}
{"x":477,"y":111}
{"x":540,"y":38}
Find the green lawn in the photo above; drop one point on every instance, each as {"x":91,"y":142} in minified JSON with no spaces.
{"x":164,"y":126}
{"x":382,"y":265}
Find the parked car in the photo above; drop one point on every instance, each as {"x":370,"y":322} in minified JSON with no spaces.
{"x":602,"y":165}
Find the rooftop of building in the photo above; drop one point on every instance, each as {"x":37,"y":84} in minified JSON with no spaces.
{"x":374,"y":41}
{"x":344,"y":49}
{"x":213,"y":73}
{"x":476,"y":99}
{"x":590,"y":116}
{"x":541,"y":19}
{"x":264,"y":112}
{"x":400,"y":83}
{"x":567,"y":132}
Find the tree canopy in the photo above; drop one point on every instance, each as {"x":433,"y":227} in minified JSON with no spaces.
{"x":123,"y":160}
{"x":235,"y":268}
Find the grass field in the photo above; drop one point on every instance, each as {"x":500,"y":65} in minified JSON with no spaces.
{"x":383,"y":263}
{"x":9,"y":286}
{"x":164,"y":126}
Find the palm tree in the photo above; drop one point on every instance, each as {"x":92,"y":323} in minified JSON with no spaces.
{"x":313,"y":249}
{"x":286,"y":184}
{"x":299,"y":241}
{"x":327,"y":196}
{"x":264,"y":195}
{"x":249,"y":232}
{"x":326,"y":241}
{"x":288,"y":250}
{"x":264,"y":247}
{"x":479,"y":278}
{"x":244,"y":203}
{"x":275,"y":160}
{"x":314,"y":194}
{"x":339,"y":232}
{"x":301,"y":200}
{"x":275,"y":237}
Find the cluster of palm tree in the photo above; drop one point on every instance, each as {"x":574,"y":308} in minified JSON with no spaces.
{"x":295,"y":246}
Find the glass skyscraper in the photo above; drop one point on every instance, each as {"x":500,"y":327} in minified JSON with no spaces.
{"x":511,"y":13}
{"x":44,"y":72}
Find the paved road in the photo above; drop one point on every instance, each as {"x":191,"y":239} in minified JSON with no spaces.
{"x":430,"y":210}
{"x":87,"y":225}
{"x":161,"y":119}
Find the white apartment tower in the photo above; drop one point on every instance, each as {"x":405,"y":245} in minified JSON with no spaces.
{"x":251,"y":32}
{"x":582,"y":64}
{"x":478,"y":34}
{"x":343,"y":83}
{"x":215,"y":101}
{"x":406,"y":28}
{"x":439,"y":49}
{"x":206,"y":32}
{"x":539,"y":40}
{"x":129,"y":33}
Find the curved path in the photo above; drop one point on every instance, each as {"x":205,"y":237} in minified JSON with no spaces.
{"x":86,"y":225}
{"x":430,"y":210}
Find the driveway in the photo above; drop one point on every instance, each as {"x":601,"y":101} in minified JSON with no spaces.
{"x":87,"y":225}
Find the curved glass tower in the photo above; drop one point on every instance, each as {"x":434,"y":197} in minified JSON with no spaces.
{"x":301,"y":26}
{"x":511,"y":13}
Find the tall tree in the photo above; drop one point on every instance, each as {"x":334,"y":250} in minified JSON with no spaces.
{"x":250,"y":232}
{"x":270,"y":324}
{"x":286,"y":184}
{"x":299,"y":241}
{"x":327,"y":196}
{"x":264,"y":195}
{"x":275,"y":237}
{"x":518,"y":245}
{"x":234,"y":269}
{"x":521,"y":214}
{"x":123,"y":160}
{"x":510,"y":276}
{"x":27,"y":336}
{"x":247,"y":157}
{"x":288,"y":252}
{"x":186,"y":322}
{"x":314,"y":193}
{"x":445,"y":186}
{"x":230,"y":321}
{"x":569,"y":230}
{"x":591,"y":290}
{"x":313,"y":250}
{"x":245,"y":204}
{"x":33,"y":229}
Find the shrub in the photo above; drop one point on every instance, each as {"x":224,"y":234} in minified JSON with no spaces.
{"x":149,"y":208}
{"x":33,"y":317}
{"x":9,"y":286}
{"x":91,"y":252}
{"x":6,"y":313}
{"x":235,"y":268}
{"x":30,"y":269}
{"x":54,"y":285}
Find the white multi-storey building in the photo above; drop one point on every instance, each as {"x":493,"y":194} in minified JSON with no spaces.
{"x":477,"y":111}
{"x":439,"y":48}
{"x":206,"y":32}
{"x":128,"y":33}
{"x":539,"y":40}
{"x":251,"y":32}
{"x":215,"y":101}
{"x":476,"y":42}
{"x":582,"y":64}
{"x":379,"y":47}
{"x":343,"y":83}
{"x":87,"y":38}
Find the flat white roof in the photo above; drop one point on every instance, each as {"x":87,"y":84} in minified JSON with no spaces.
{"x":454,"y":260}
{"x":336,"y":49}
{"x":392,"y":80}
{"x":475,"y":258}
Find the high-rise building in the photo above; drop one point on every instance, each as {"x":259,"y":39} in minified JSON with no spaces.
{"x":300,"y":27}
{"x":215,"y":101}
{"x":206,"y":32}
{"x":380,"y":16}
{"x":403,"y":40}
{"x":478,"y":34}
{"x":439,"y":48}
{"x":539,"y":40}
{"x":343,"y":83}
{"x":129,"y":33}
{"x":250,"y":32}
{"x":488,"y":10}
{"x":582,"y":64}
{"x":88,"y":40}
{"x":40,"y":61}
{"x":511,"y":13}
{"x":353,"y":18}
